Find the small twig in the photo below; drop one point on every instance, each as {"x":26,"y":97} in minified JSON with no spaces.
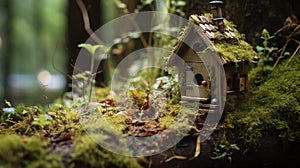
{"x":295,"y":52}
{"x":143,"y":39}
{"x":150,"y":162}
{"x":143,"y":160}
{"x":27,"y":129}
{"x":282,"y":52}
{"x":296,"y":30}
{"x":284,"y":28}
{"x":11,"y":122}
{"x":277,"y":61}
{"x":3,"y":124}
{"x":76,"y":68}
{"x":298,"y":42}
{"x":165,"y":156}
{"x":86,"y":21}
{"x":56,"y":68}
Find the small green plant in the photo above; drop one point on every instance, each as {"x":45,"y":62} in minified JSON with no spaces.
{"x":7,"y":112}
{"x":166,"y":83}
{"x":89,"y":80}
{"x":265,"y":51}
{"x":259,"y":74}
{"x":82,"y":86}
{"x":224,"y":151}
{"x":42,"y":120}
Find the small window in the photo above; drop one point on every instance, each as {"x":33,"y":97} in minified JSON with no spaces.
{"x":198,"y":79}
{"x":242,"y":84}
{"x":229,"y":83}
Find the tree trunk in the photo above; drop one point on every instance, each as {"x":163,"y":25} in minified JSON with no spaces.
{"x":75,"y":30}
{"x":8,"y":48}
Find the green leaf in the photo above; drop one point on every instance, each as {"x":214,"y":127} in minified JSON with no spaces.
{"x":234,"y":146}
{"x":265,"y":34}
{"x":286,"y":53}
{"x":265,"y":43}
{"x":134,"y":35}
{"x":8,"y":103}
{"x":270,"y":59}
{"x":229,"y":159}
{"x":181,"y":3}
{"x":223,"y":155}
{"x":259,"y":48}
{"x":147,"y":2}
{"x":120,"y":4}
{"x":91,"y":48}
{"x":222,"y":146}
{"x":272,"y":49}
{"x":178,"y":3}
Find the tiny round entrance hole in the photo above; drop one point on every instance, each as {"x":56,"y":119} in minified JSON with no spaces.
{"x":198,"y":79}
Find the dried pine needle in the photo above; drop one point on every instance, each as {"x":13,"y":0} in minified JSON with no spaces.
{"x":198,"y":148}
{"x":176,"y":157}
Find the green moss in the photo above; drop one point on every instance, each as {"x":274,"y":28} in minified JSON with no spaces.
{"x":101,"y":93}
{"x":235,"y":51}
{"x":20,"y":121}
{"x":233,"y":47}
{"x":27,"y":152}
{"x":116,"y":121}
{"x":64,"y":119}
{"x":35,"y":120}
{"x":166,"y":121}
{"x":87,"y":153}
{"x":33,"y":149}
{"x":231,"y":101}
{"x":273,"y":110}
{"x":11,"y":151}
{"x":258,"y":76}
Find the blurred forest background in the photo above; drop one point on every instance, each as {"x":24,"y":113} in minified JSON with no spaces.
{"x":39,"y":38}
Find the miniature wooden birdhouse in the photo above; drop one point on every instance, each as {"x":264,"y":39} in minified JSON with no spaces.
{"x":222,"y":37}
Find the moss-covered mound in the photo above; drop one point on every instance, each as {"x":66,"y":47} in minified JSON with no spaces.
{"x":51,"y":137}
{"x":87,"y":153}
{"x":17,"y":152}
{"x":273,"y":110}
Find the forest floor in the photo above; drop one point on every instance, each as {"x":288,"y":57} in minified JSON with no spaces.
{"x":263,"y":131}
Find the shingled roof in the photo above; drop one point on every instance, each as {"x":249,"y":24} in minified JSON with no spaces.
{"x":209,"y":29}
{"x":229,"y":44}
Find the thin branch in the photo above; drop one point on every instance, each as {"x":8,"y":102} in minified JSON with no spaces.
{"x":281,"y":53}
{"x":298,"y":42}
{"x":143,"y":39}
{"x":295,"y":52}
{"x":295,"y":31}
{"x":76,"y":68}
{"x":285,"y":27}
{"x":86,"y":21}
{"x":56,"y":68}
